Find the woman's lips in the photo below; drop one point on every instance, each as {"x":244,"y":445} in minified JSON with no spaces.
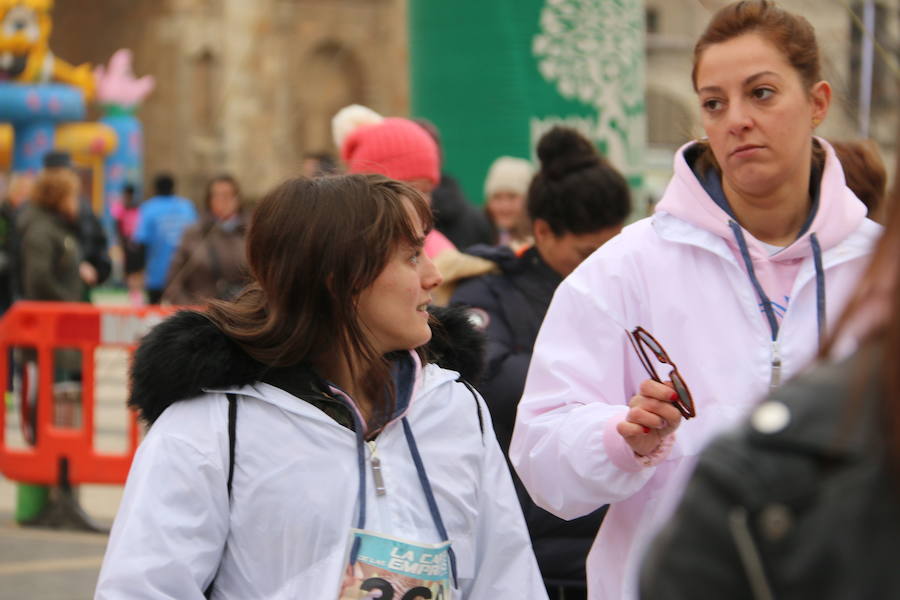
{"x":745,"y":151}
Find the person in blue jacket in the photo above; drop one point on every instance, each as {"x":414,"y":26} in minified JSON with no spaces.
{"x":161,"y":223}
{"x":576,"y":202}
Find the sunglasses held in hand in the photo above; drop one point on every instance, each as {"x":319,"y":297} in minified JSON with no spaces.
{"x":640,"y":339}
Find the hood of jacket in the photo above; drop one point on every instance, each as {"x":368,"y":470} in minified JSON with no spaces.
{"x":187,"y":353}
{"x":838,"y":212}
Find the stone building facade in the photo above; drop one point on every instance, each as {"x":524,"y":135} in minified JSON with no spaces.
{"x":249,"y":86}
{"x":243,"y":86}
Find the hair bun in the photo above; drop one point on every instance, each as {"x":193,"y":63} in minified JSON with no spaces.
{"x":563,"y":150}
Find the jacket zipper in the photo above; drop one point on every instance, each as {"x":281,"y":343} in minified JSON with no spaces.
{"x":775,"y":375}
{"x":377,"y":476}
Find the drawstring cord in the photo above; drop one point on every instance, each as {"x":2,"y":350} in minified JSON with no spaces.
{"x":820,"y":286}
{"x":423,"y":480}
{"x":764,"y":299}
{"x":429,"y":495}
{"x":361,"y":462}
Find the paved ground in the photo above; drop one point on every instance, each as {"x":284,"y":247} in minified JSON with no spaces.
{"x":46,"y":564}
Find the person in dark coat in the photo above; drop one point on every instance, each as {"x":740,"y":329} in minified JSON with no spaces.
{"x":210,"y":261}
{"x":17,"y":193}
{"x":576,"y":202}
{"x":454,"y":215}
{"x":91,"y":235}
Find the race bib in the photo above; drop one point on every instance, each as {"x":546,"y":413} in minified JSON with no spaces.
{"x":391,"y":569}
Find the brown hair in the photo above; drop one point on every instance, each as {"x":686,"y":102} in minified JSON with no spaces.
{"x":221,"y":178}
{"x":864,"y":171}
{"x":791,"y":34}
{"x":52,"y":187}
{"x":312,"y":247}
{"x":873,"y":315}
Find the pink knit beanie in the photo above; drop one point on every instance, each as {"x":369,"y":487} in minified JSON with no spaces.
{"x":395,"y":147}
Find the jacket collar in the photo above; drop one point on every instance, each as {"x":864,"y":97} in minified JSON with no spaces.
{"x":187,"y":354}
{"x":839,"y":212}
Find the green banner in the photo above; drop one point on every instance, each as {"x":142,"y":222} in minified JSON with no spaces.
{"x":494,"y":75}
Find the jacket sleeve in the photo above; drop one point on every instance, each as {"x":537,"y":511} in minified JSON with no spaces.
{"x":506,"y":365}
{"x":505,"y":566}
{"x":95,"y":244}
{"x":565,"y":446}
{"x":170,"y":531}
{"x":40,"y":280}
{"x":178,"y":278}
{"x":706,"y":529}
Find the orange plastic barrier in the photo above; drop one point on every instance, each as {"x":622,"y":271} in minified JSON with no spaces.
{"x":47,"y":326}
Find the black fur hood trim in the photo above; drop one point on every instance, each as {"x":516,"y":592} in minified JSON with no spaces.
{"x":187,"y":352}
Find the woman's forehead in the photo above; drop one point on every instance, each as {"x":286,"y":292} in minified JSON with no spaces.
{"x":739,"y":59}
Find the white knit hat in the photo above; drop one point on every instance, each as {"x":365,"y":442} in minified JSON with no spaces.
{"x":508,"y":174}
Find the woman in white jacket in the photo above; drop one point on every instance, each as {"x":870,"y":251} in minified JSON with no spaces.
{"x":300,"y":445}
{"x":750,"y":255}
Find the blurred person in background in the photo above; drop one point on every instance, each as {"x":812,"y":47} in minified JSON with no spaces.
{"x":401,"y":149}
{"x":318,"y":164}
{"x":18,"y":191}
{"x":576,"y":202}
{"x":52,"y":262}
{"x":162,"y":220}
{"x":91,"y":235}
{"x":210,"y":261}
{"x":865,"y":174}
{"x":505,"y":187}
{"x":126,"y":213}
{"x":746,"y":263}
{"x":454,"y":215}
{"x":803,"y":500}
{"x":52,"y":259}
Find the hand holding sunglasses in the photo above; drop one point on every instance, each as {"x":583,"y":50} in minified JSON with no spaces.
{"x":640,"y":339}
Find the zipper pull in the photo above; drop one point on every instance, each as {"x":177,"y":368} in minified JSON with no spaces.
{"x":376,"y":471}
{"x":775,"y":379}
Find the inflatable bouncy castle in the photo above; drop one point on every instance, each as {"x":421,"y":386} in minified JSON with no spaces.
{"x":43,"y":100}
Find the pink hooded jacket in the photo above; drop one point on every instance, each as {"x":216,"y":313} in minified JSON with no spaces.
{"x":682,"y":276}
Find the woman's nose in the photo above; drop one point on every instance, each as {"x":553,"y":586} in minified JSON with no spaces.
{"x":739,"y":118}
{"x":430,"y":275}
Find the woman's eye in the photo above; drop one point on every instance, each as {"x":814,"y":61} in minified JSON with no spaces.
{"x":414,"y":259}
{"x":712,"y":105}
{"x":763,"y":93}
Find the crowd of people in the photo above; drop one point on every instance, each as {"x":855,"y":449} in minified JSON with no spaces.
{"x":378,"y":390}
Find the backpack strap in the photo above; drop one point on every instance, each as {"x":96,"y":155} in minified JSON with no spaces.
{"x":477,"y":406}
{"x":232,"y":438}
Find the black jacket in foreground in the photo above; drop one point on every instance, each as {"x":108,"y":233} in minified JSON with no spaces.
{"x":799,"y":503}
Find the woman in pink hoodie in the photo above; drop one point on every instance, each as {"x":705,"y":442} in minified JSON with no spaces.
{"x":749,"y":257}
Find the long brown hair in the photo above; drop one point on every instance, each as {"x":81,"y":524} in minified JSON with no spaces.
{"x":791,"y":34}
{"x":864,"y":172}
{"x":873,"y":316}
{"x":312,"y":247}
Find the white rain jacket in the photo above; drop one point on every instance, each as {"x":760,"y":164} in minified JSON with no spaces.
{"x":681,"y":276}
{"x":285,"y":532}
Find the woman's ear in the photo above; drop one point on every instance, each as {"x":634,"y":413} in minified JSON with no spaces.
{"x":820,"y":97}
{"x":542,"y":231}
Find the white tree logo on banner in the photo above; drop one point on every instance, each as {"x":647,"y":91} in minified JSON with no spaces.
{"x":593,"y":50}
